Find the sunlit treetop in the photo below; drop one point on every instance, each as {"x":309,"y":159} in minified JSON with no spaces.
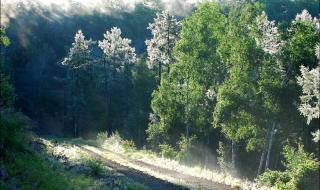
{"x":305,"y":16}
{"x":116,"y":49}
{"x":79,"y":53}
{"x":165,"y":31}
{"x":310,"y":83}
{"x":270,"y":40}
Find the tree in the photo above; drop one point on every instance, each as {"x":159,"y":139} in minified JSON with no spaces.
{"x":7,"y":94}
{"x":165,"y":32}
{"x":117,"y":50}
{"x":310,"y":100}
{"x":270,"y":82}
{"x":301,"y":39}
{"x":184,"y":101}
{"x":78,"y":62}
{"x":238,"y":112}
{"x":118,"y":55}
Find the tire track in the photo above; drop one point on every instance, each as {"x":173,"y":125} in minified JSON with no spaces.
{"x":148,"y":179}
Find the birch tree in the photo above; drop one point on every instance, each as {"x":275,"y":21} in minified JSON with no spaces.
{"x":270,"y":42}
{"x":165,"y":32}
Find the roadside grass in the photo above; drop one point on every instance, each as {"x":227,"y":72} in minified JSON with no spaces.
{"x":26,"y":171}
{"x":116,"y":144}
{"x":81,"y":162}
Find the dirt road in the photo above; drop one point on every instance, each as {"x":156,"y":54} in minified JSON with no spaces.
{"x":132,"y":169}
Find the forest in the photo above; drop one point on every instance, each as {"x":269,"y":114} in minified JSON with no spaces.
{"x":152,"y":94}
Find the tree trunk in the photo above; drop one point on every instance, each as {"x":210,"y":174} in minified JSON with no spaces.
{"x":233,"y":155}
{"x":206,"y":148}
{"x":168,"y":48}
{"x":74,"y":125}
{"x":263,"y":154}
{"x":106,"y":89}
{"x":270,"y":144}
{"x":159,"y":72}
{"x":187,"y":111}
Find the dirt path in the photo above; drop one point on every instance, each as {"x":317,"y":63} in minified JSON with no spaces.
{"x":148,"y":179}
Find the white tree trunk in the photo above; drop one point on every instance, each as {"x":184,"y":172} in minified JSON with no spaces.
{"x":233,"y":156}
{"x":270,"y":144}
{"x":261,"y":162}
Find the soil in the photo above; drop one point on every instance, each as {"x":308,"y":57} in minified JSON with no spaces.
{"x":151,"y":181}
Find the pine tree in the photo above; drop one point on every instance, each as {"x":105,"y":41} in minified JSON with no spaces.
{"x":117,"y":50}
{"x":118,"y":55}
{"x":78,"y":62}
{"x":79,"y":53}
{"x":165,"y":32}
{"x":310,"y":100}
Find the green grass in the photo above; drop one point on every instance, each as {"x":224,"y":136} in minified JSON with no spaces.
{"x":95,"y":166}
{"x":32,"y":171}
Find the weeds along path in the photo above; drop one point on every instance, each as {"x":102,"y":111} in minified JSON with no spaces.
{"x":152,"y":176}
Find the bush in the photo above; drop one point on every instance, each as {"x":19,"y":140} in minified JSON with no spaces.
{"x":114,"y":143}
{"x":128,"y":145}
{"x":32,"y":171}
{"x":167,"y":151}
{"x":7,"y":95}
{"x":95,"y":166}
{"x":136,"y":186}
{"x":12,"y":130}
{"x":185,"y":146}
{"x":222,"y":159}
{"x":102,"y":137}
{"x":302,"y":171}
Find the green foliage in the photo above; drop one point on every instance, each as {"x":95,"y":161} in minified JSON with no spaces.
{"x":102,"y":137}
{"x":4,"y":40}
{"x":222,"y":158}
{"x":167,"y":151}
{"x":136,"y":186}
{"x":200,"y":36}
{"x":180,"y":102}
{"x":186,"y":145}
{"x":31,"y":171}
{"x":302,"y":171}
{"x":12,"y":130}
{"x":7,"y":95}
{"x":96,"y":168}
{"x":128,"y":145}
{"x":299,"y":49}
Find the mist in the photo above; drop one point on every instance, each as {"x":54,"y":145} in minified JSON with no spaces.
{"x":10,"y":8}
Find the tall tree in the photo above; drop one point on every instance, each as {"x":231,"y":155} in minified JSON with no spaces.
{"x":165,"y":32}
{"x":184,"y":101}
{"x":310,"y":99}
{"x":78,"y":61}
{"x":118,"y":55}
{"x":238,"y":110}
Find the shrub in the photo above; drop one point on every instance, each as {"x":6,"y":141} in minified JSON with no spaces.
{"x":128,"y":145}
{"x":185,"y":146}
{"x":95,"y":166}
{"x":167,"y":151}
{"x":7,"y":95}
{"x":114,"y":143}
{"x":102,"y":137}
{"x":302,"y":171}
{"x":32,"y":171}
{"x":12,"y":130}
{"x":136,"y":186}
{"x":222,"y":159}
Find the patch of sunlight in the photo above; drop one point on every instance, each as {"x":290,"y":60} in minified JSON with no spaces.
{"x":114,"y":144}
